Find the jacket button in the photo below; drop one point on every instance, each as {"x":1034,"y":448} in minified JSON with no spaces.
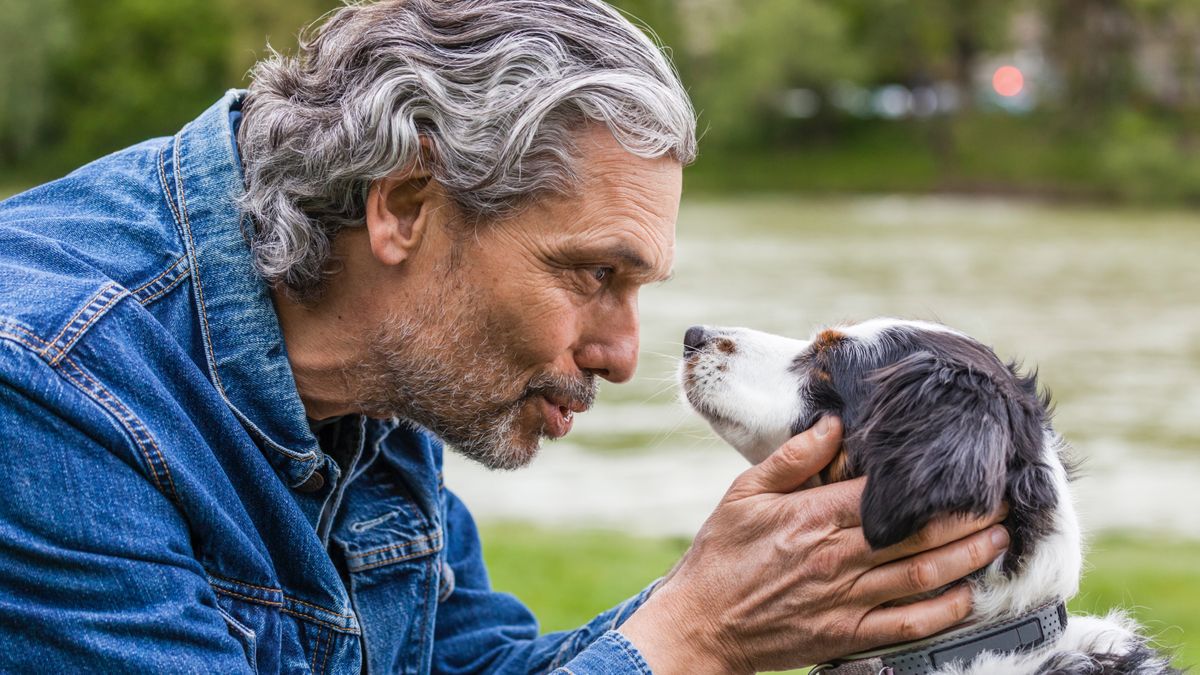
{"x":313,"y":483}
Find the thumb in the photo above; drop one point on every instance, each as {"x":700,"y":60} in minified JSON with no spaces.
{"x":796,"y":461}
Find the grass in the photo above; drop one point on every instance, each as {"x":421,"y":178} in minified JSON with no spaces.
{"x":567,"y":577}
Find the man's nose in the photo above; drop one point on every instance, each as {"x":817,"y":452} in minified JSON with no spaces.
{"x":612,"y":353}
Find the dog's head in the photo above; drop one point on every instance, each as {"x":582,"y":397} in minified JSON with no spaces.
{"x":933,"y":418}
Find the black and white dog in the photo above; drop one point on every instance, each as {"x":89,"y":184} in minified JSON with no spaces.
{"x":938,"y":424}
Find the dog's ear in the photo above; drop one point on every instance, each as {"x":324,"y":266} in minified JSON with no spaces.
{"x":937,"y":436}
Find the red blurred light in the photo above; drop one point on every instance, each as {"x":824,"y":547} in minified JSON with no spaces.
{"x":1008,"y":81}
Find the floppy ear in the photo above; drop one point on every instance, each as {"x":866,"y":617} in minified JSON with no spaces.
{"x":936,"y":436}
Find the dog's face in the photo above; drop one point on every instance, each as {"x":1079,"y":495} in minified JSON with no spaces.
{"x":933,"y":418}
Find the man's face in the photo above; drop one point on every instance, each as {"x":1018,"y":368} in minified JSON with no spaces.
{"x":515,"y":321}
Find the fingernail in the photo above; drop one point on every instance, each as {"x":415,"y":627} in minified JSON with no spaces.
{"x":999,"y":537}
{"x":823,"y":426}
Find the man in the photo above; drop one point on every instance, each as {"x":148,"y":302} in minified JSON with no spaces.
{"x":439,"y":212}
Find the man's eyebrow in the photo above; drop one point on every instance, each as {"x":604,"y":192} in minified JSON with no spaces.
{"x":632,"y":259}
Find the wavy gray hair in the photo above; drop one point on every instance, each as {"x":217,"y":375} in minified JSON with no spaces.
{"x":497,"y":89}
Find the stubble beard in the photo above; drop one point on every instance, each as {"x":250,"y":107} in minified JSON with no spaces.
{"x":444,"y":373}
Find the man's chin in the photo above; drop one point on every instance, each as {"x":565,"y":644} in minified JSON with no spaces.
{"x":507,"y":458}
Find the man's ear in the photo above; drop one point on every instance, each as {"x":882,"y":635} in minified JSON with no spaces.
{"x":398,"y":209}
{"x":936,"y":437}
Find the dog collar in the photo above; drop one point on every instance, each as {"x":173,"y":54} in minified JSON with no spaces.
{"x":1035,"y":628}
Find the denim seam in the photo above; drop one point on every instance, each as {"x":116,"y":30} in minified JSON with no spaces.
{"x":389,"y":561}
{"x":411,"y":542}
{"x":165,"y":289}
{"x":133,"y":421}
{"x":138,"y":292}
{"x":96,"y":397}
{"x":191,"y":253}
{"x":309,"y":617}
{"x":96,"y":296}
{"x":96,"y":307}
{"x":97,"y":313}
{"x":328,"y":648}
{"x":312,"y":661}
{"x":276,"y":591}
{"x":632,"y":655}
{"x":162,"y":179}
{"x":161,"y":274}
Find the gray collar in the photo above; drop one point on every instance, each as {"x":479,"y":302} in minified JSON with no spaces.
{"x":1033,"y":629}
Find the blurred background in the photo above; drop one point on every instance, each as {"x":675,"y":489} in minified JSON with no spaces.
{"x":1024,"y":171}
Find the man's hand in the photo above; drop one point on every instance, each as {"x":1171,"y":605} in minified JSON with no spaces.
{"x":779,"y":578}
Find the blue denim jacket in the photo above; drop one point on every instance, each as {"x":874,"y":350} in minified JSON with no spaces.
{"x":167,"y":506}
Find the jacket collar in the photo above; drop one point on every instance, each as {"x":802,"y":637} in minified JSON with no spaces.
{"x":243,"y":343}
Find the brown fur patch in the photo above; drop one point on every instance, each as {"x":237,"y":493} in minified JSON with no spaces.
{"x":838,"y":470}
{"x":828,"y":339}
{"x":725,"y":345}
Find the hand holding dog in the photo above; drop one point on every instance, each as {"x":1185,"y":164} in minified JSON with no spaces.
{"x":780,"y":577}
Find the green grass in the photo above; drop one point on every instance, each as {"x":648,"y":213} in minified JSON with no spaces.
{"x":567,"y":577}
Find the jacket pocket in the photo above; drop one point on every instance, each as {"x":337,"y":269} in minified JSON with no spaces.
{"x":244,"y":636}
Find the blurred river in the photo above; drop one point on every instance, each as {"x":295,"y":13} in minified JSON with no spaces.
{"x":1105,"y":303}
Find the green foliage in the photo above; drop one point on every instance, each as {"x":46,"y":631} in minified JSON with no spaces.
{"x":766,"y":47}
{"x":81,"y":78}
{"x":567,"y":577}
{"x":1145,"y":159}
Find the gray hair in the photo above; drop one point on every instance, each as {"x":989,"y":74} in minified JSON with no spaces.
{"x":496,"y":89}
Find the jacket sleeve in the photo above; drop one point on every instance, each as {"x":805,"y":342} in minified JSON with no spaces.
{"x":481,"y":630}
{"x":97,"y":572}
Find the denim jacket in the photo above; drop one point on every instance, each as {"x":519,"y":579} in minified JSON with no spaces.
{"x":167,"y":506}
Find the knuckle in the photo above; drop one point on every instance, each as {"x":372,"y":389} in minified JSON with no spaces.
{"x":922,"y":575}
{"x":913,"y":627}
{"x":980,"y":555}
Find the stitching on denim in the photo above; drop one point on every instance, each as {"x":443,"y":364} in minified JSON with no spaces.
{"x":161,"y":274}
{"x":389,"y":561}
{"x":108,"y":295}
{"x":248,"y":598}
{"x":165,"y":289}
{"x":411,"y":542}
{"x":22,"y":340}
{"x":318,"y":607}
{"x":146,"y":286}
{"x":236,"y":582}
{"x":634,"y":656}
{"x":187,"y":229}
{"x":187,"y":223}
{"x":308,"y":617}
{"x":103,"y":289}
{"x":312,"y":661}
{"x":162,"y":179}
{"x":96,"y":315}
{"x":133,"y":420}
{"x":283,"y":608}
{"x":328,"y":648}
{"x":279,"y":592}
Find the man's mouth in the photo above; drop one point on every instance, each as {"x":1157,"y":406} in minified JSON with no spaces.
{"x":560,"y":414}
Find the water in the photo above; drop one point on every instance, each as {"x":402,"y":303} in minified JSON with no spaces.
{"x":1106,"y":303}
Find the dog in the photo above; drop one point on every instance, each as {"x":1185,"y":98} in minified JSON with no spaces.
{"x":938,"y":424}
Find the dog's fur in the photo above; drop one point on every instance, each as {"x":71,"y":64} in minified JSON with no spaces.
{"x":938,"y":424}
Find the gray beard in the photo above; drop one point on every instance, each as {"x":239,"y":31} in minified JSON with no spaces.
{"x":425,"y":370}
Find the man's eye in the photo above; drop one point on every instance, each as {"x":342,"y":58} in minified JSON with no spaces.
{"x":601,"y":273}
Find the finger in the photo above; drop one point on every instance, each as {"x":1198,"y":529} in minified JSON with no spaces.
{"x":842,"y":505}
{"x":931,"y":570}
{"x":939,"y":532}
{"x":796,"y":461}
{"x":889,"y":625}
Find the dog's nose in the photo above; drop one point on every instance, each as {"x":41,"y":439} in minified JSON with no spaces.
{"x":693,"y":340}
